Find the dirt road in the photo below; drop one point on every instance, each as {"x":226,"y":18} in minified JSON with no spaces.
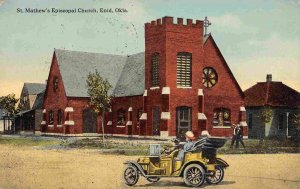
{"x":79,"y":169}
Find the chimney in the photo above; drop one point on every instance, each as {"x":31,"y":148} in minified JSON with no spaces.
{"x":269,"y":77}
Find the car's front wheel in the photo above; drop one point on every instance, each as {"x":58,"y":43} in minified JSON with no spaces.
{"x":194,"y":175}
{"x":131,"y":175}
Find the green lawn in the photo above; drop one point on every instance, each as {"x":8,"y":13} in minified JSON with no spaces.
{"x":135,"y":148}
{"x":256,"y":146}
{"x":28,"y":141}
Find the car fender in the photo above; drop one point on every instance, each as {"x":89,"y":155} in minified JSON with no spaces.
{"x":221,"y":162}
{"x":138,"y":166}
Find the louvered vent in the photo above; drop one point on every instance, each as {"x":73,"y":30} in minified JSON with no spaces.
{"x":184,"y":68}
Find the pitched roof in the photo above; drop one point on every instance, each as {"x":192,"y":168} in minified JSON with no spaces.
{"x":38,"y":103}
{"x":34,"y":88}
{"x":75,"y":66}
{"x":272,"y":94}
{"x":132,"y":79}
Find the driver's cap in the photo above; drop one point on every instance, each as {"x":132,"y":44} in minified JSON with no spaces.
{"x":190,"y":135}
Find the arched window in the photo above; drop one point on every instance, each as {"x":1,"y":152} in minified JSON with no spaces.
{"x":121,"y":117}
{"x":222,"y":117}
{"x":183,"y":120}
{"x":209,"y":77}
{"x":55,"y":84}
{"x":155,"y":70}
{"x":184,"y":69}
{"x":50,"y":117}
{"x":60,"y":117}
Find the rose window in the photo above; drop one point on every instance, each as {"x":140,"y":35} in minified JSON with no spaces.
{"x":209,"y":77}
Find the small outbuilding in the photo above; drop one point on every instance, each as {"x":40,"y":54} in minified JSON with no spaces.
{"x":273,"y":109}
{"x":31,"y":101}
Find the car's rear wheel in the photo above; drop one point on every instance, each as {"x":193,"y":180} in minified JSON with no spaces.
{"x":131,"y":175}
{"x":153,"y":179}
{"x":194,"y":175}
{"x":216,"y":177}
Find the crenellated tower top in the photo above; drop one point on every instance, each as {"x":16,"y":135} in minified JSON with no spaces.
{"x":167,"y":20}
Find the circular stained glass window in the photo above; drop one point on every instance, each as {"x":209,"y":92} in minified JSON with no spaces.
{"x":209,"y":77}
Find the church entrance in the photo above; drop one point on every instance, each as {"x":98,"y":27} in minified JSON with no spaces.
{"x":89,"y":121}
{"x":183,"y":120}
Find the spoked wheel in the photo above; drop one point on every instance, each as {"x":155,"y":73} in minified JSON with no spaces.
{"x":217,"y":177}
{"x":194,"y":175}
{"x":153,"y":179}
{"x":131,"y":175}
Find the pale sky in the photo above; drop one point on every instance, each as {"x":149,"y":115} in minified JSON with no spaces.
{"x":255,"y":37}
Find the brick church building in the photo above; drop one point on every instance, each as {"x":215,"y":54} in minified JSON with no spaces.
{"x":181,"y":82}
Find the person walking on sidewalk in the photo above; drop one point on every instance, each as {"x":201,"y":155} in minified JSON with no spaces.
{"x":239,"y":136}
{"x":234,"y":136}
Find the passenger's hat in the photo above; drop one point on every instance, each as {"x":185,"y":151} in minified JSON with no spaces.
{"x":190,"y":135}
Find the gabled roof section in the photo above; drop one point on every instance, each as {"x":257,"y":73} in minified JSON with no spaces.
{"x":206,"y":38}
{"x":132,"y":79}
{"x":75,"y":66}
{"x":272,"y":94}
{"x":38,"y":103}
{"x":34,"y":88}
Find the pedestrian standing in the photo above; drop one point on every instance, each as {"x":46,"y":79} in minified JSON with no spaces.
{"x":234,"y":136}
{"x":239,"y":136}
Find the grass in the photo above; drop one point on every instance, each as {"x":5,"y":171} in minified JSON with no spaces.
{"x":252,"y":147}
{"x":111,"y":147}
{"x":27,"y":141}
{"x":135,"y":148}
{"x":265,"y":146}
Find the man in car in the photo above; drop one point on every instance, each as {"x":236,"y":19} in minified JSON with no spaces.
{"x":189,"y":137}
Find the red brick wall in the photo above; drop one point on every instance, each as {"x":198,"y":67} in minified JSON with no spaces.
{"x":136,"y":102}
{"x":226,"y":93}
{"x":54,"y":100}
{"x":168,"y":39}
{"x":154,"y":99}
{"x":58,"y":100}
{"x":79,"y":105}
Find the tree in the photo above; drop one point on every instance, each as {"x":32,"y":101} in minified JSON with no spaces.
{"x":98,"y":89}
{"x":9,"y":104}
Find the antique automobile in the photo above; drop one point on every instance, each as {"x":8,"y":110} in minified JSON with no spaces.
{"x":200,"y":164}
